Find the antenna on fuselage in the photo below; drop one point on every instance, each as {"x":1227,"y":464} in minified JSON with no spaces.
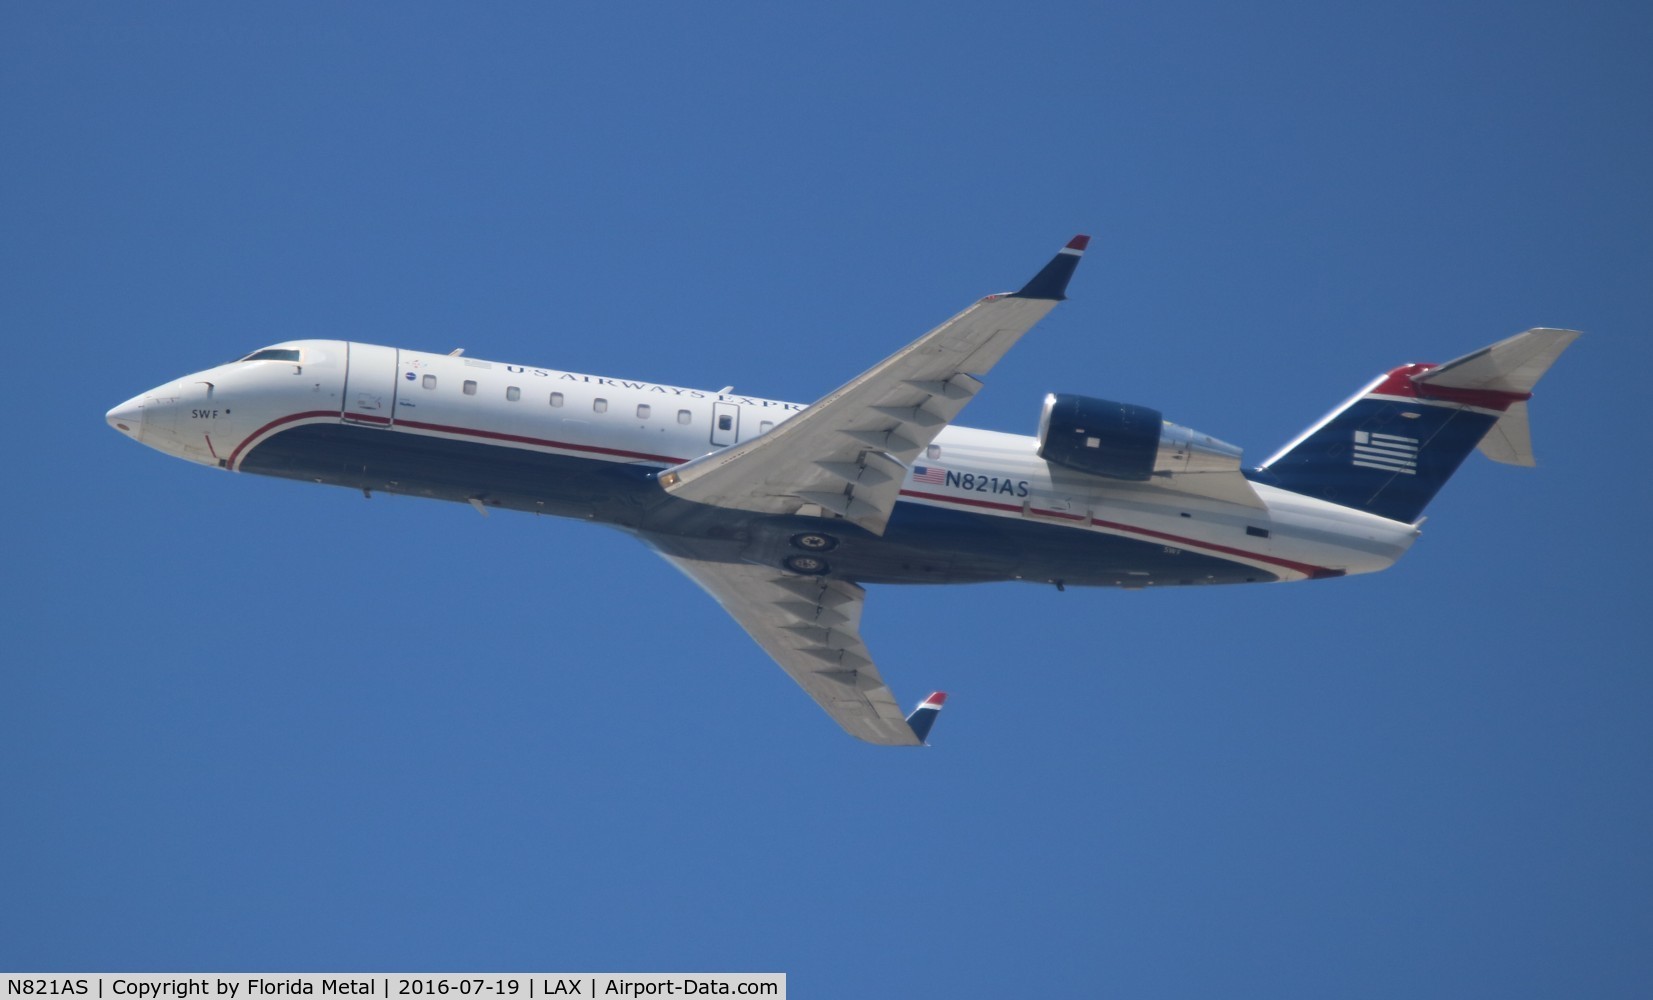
{"x":456,"y":352}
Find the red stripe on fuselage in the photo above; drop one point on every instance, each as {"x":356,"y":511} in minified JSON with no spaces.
{"x":1317,"y":572}
{"x":235,"y":456}
{"x":543,"y":442}
{"x":461,"y":431}
{"x":1304,"y":568}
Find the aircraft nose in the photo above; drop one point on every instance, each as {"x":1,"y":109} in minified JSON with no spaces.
{"x":155,"y":419}
{"x":128,"y":417}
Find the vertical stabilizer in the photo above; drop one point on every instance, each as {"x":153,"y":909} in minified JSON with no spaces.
{"x":1391,"y":447}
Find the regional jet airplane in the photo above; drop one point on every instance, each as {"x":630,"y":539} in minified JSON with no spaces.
{"x":784,"y":512}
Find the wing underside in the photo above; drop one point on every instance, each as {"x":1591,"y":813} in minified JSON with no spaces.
{"x":811,"y":627}
{"x":845,"y":457}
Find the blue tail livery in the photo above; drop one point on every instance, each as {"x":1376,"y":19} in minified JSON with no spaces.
{"x":1390,"y":448}
{"x":924,"y":716}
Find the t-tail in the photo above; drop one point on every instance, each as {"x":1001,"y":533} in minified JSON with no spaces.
{"x":1392,"y":446}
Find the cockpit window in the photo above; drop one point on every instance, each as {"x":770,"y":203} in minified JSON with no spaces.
{"x":274,"y":354}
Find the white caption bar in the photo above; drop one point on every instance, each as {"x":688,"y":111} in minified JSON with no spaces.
{"x":392,"y":985}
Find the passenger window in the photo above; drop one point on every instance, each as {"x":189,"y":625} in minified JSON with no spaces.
{"x":683,"y":416}
{"x":470,"y":387}
{"x":766,"y":427}
{"x":429,"y":381}
{"x":933,"y":452}
{"x":556,"y":399}
{"x":600,"y":405}
{"x":513,"y":393}
{"x":725,"y":422}
{"x":642,"y":411}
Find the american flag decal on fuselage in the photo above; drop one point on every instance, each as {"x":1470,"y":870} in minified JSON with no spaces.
{"x":1389,"y":452}
{"x":932,"y":474}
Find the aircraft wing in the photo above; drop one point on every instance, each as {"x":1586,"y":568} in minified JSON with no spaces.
{"x":847,"y":454}
{"x":811,"y":626}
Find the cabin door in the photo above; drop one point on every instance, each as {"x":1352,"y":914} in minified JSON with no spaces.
{"x":725,"y":423}
{"x":370,"y":385}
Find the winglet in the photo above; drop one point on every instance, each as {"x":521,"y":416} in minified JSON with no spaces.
{"x":924,"y":716}
{"x":1052,"y":282}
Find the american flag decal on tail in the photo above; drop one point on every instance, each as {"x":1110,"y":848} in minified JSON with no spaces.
{"x":934,"y":475}
{"x":1389,"y":452}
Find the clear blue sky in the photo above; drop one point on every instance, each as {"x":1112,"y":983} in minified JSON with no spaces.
{"x":247,"y":724}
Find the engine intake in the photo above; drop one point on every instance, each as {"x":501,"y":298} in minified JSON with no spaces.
{"x":1123,"y":441}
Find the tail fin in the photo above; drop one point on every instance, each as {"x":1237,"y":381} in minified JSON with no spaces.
{"x":1391,"y":447}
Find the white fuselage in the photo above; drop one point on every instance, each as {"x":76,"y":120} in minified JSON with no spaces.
{"x":463,"y":414}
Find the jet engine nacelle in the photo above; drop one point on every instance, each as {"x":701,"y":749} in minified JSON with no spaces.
{"x":1122,"y":441}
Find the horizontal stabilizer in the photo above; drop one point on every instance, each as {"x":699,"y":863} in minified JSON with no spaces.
{"x":1513,"y":365}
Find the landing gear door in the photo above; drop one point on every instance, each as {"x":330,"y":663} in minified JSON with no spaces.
{"x":370,"y":385}
{"x":725,"y":423}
